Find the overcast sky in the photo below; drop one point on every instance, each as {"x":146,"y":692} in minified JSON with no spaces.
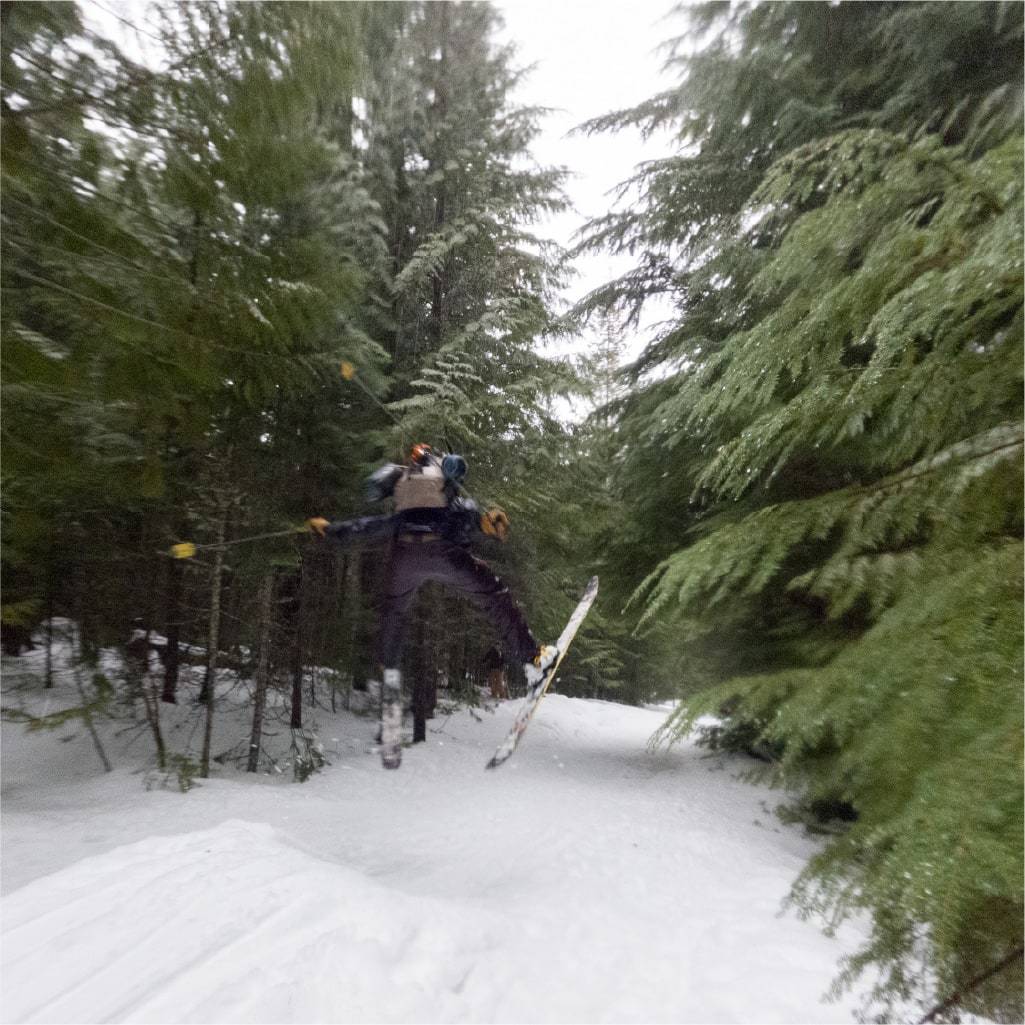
{"x":591,"y":57}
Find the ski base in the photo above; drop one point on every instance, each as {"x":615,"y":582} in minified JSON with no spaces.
{"x":391,"y":729}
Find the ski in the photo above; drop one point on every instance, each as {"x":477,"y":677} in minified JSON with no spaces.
{"x":391,"y":720}
{"x":537,"y":692}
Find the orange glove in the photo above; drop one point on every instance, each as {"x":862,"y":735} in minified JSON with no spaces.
{"x":318,"y":525}
{"x":495,"y":522}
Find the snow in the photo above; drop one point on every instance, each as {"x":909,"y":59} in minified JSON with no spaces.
{"x":589,"y":879}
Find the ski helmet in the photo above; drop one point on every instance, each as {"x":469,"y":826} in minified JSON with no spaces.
{"x":420,"y":454}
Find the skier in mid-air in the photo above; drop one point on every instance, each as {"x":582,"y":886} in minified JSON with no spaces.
{"x":431,"y":529}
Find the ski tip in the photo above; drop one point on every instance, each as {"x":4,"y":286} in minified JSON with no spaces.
{"x":590,"y":591}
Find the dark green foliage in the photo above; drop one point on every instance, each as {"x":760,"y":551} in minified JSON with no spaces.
{"x":806,"y":492}
{"x":473,"y":293}
{"x":190,"y":253}
{"x":169,"y":292}
{"x":823,"y":451}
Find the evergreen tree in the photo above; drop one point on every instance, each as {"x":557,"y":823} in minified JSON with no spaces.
{"x":473,"y":288}
{"x":74,"y":462}
{"x":191,"y":253}
{"x":182,"y":286}
{"x":839,"y":404}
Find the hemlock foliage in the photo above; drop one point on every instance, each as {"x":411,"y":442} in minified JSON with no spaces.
{"x":806,"y":493}
{"x":839,"y":407}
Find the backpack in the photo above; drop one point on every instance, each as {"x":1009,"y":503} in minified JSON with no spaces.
{"x":421,"y":487}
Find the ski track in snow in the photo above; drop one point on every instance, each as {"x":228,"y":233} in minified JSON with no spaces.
{"x":587,"y":880}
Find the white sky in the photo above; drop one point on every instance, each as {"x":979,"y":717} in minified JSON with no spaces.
{"x":591,"y":57}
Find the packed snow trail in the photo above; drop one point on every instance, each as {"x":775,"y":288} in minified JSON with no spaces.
{"x":591,"y":880}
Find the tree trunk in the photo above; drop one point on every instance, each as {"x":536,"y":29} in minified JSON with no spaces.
{"x":439,"y":285}
{"x":148,"y":690}
{"x":87,"y":717}
{"x":172,"y":613}
{"x":361,"y":584}
{"x":153,"y":718}
{"x":425,"y":680}
{"x":326,"y":606}
{"x":213,"y":636}
{"x":49,"y":632}
{"x":262,"y":673}
{"x":296,"y":721}
{"x":458,"y":660}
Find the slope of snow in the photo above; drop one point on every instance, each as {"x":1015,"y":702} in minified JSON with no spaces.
{"x":588,"y":880}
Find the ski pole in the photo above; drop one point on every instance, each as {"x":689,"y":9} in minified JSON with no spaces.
{"x":187,"y":549}
{"x":349,"y":373}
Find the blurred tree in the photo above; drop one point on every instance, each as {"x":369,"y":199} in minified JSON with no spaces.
{"x":189,"y":255}
{"x":473,"y":289}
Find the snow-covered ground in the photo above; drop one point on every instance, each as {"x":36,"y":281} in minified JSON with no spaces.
{"x":588,"y":880}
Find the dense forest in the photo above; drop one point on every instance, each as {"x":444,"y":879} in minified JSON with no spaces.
{"x":237,"y":282}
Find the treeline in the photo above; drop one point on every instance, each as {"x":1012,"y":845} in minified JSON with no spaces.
{"x":819,"y":458}
{"x":804,"y":498}
{"x":189,"y":256}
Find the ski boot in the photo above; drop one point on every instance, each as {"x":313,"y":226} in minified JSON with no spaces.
{"x":535,"y":671}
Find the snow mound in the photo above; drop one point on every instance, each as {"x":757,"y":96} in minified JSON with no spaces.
{"x":180,"y":928}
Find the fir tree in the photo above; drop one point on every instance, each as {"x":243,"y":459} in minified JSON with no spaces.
{"x":473,"y":287}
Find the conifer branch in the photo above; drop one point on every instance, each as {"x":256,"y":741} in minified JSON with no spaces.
{"x":105,"y":306}
{"x":149,"y":323}
{"x":82,"y":97}
{"x":129,"y":23}
{"x":958,"y":996}
{"x":75,"y":234}
{"x":116,"y":263}
{"x":961,"y":452}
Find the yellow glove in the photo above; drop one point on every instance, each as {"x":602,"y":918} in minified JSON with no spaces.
{"x":495,"y":522}
{"x":318,"y":525}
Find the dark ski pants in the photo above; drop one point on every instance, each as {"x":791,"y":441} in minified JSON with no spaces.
{"x":414,"y":563}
